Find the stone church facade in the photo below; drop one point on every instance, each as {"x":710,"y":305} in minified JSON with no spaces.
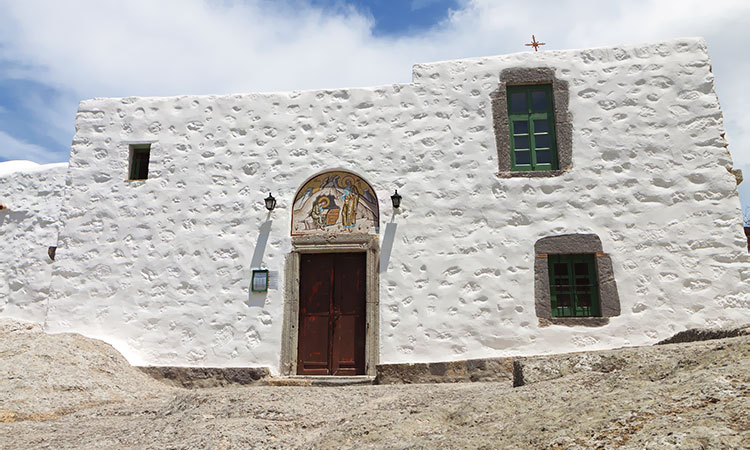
{"x":550,"y":202}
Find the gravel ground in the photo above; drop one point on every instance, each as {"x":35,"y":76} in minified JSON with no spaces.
{"x":67,"y":391}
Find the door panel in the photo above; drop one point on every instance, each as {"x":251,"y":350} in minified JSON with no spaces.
{"x":348,"y":351}
{"x":349,"y":313}
{"x":316,"y":287}
{"x":332,"y":314}
{"x":314,"y":339}
{"x":349,"y":281}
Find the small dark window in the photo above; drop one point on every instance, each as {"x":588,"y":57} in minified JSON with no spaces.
{"x":532,"y":138}
{"x":139,"y":155}
{"x":574,"y":289}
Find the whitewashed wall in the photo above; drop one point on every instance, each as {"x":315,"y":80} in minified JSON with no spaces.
{"x":32,"y":194}
{"x":161,"y":268}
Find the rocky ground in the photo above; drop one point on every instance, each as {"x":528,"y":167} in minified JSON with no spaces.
{"x":67,"y":391}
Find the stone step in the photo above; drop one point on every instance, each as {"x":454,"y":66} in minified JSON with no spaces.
{"x":320,"y":380}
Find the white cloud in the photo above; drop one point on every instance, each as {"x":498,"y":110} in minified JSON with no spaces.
{"x":92,"y":48}
{"x":12,"y":149}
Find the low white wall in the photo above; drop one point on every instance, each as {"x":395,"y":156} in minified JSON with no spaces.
{"x":32,"y":194}
{"x":161,"y":268}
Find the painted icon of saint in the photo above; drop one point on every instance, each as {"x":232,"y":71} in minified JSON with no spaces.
{"x":318,"y":214}
{"x":349,"y":210}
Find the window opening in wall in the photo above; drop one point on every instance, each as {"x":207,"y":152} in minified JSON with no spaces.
{"x":532,"y":128}
{"x":574,"y":289}
{"x":139,"y":157}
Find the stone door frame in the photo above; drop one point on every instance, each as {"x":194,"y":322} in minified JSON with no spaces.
{"x":340,"y":243}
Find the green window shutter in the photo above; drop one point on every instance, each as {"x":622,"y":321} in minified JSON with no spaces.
{"x":532,"y":128}
{"x":574,"y":289}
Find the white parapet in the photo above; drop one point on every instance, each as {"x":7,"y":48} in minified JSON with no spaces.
{"x":31,"y":195}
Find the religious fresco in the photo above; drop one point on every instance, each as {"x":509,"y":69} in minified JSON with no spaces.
{"x":335,"y":202}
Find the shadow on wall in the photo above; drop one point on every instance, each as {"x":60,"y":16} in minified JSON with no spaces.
{"x":385,"y":250}
{"x":259,"y":298}
{"x":13,"y":216}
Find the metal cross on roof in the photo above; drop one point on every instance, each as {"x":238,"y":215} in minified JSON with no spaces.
{"x":534,"y":43}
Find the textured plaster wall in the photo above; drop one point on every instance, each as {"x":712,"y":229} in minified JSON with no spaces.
{"x":32,"y":195}
{"x":162,"y":268}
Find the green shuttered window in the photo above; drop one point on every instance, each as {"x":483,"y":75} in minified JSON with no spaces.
{"x":574,"y":290}
{"x":532,"y":128}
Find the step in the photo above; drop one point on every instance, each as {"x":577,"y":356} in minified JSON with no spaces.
{"x":320,"y":380}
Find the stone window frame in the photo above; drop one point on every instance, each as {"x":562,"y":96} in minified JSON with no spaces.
{"x":574,"y":244}
{"x":524,"y":76}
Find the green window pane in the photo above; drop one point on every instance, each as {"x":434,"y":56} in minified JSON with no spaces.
{"x":522,"y":142}
{"x":541,"y":126}
{"x":520,"y":127}
{"x":543,"y":157}
{"x":518,"y":102}
{"x":539,"y":101}
{"x":523,"y":157}
{"x":541,"y":141}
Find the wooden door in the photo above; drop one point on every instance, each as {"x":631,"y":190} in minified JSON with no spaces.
{"x":332,"y":314}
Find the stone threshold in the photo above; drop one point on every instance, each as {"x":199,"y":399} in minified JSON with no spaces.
{"x":320,"y":380}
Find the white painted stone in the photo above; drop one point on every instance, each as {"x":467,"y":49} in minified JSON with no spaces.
{"x":161,"y":268}
{"x":32,"y":195}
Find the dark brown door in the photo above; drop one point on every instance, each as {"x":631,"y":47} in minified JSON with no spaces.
{"x":332,"y":314}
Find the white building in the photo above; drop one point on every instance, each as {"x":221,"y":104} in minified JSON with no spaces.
{"x":551,"y":202}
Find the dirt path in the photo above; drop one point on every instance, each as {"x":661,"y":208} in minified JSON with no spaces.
{"x":67,"y":391}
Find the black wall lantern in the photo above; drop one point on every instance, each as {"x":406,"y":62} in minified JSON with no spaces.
{"x":396,"y":199}
{"x":270,"y":202}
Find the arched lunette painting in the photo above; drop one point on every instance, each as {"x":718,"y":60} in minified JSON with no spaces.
{"x":337,"y":202}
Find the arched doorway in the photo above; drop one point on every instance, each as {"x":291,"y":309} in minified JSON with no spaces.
{"x":331,"y":308}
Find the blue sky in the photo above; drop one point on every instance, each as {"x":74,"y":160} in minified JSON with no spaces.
{"x":55,"y":53}
{"x":394,"y":17}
